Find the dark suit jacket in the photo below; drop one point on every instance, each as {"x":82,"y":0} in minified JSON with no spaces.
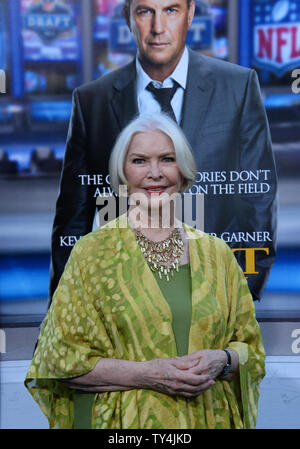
{"x":226,"y":125}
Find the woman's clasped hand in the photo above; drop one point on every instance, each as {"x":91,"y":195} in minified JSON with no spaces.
{"x":187,"y":376}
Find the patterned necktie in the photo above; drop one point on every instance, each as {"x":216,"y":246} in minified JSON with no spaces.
{"x":164,"y":96}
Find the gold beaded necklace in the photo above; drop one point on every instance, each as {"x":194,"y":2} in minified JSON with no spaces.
{"x":164,"y":256}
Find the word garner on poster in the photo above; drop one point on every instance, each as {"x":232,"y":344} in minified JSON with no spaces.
{"x":153,"y":438}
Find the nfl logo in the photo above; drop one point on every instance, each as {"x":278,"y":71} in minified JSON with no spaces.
{"x":276,"y":35}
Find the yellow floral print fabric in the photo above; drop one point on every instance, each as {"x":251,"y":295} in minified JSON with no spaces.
{"x":108,"y":304}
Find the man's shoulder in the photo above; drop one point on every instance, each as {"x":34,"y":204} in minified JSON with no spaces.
{"x":105,"y":82}
{"x":216,"y":65}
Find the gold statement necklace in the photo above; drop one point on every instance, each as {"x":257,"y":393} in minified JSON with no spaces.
{"x":162,"y":257}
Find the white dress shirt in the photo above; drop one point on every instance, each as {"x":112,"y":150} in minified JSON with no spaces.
{"x":146,"y":101}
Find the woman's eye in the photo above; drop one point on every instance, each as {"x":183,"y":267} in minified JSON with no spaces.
{"x":138,"y":161}
{"x":168,"y":159}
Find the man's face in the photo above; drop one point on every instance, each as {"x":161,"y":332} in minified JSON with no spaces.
{"x":159,"y":28}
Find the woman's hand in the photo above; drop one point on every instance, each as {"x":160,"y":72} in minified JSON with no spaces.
{"x":176,"y":376}
{"x":212,"y":362}
{"x":186,"y":376}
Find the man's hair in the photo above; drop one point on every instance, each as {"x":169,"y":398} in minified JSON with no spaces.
{"x":128,"y":2}
{"x":146,"y":123}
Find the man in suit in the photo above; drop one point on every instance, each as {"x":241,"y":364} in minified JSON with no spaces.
{"x":219,"y":107}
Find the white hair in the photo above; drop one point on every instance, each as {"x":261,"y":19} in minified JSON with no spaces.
{"x":145,"y":123}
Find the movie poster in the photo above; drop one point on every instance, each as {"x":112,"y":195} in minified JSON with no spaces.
{"x":220,"y":183}
{"x":234,"y":193}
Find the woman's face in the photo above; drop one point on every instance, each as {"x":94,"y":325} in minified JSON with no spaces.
{"x":150,"y":165}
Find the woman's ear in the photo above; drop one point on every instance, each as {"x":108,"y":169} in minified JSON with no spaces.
{"x":182,"y":184}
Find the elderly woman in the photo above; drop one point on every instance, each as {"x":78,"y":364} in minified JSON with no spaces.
{"x":150,"y":326}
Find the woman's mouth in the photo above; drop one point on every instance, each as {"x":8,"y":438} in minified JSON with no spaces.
{"x":155,"y":189}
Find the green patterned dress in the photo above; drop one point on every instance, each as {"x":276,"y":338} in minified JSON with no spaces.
{"x":109,"y":304}
{"x":178,"y":294}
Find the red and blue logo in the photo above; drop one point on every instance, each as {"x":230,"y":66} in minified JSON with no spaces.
{"x":276,"y":35}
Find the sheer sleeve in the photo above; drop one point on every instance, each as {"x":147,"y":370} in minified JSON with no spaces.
{"x":71,"y":342}
{"x":244,"y":335}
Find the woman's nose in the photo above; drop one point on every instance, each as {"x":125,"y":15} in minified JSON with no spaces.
{"x":155,"y":171}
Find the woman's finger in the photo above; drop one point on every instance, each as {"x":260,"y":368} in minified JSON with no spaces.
{"x":184,"y":364}
{"x":191,"y":393}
